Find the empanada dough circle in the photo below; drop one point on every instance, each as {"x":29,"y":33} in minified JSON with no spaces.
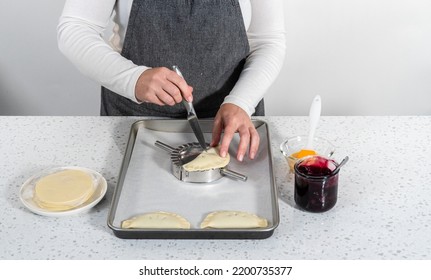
{"x":63,"y":190}
{"x":157,"y":220}
{"x":209,"y":159}
{"x":233,"y":219}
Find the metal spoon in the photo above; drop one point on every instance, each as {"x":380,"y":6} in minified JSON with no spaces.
{"x":343,"y":162}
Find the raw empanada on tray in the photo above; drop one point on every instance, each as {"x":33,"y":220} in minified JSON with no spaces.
{"x":233,"y":219}
{"x":157,"y":220}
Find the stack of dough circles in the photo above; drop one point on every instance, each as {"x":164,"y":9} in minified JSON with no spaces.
{"x":233,"y":219}
{"x":63,"y":190}
{"x":157,"y":220}
{"x":207,"y":160}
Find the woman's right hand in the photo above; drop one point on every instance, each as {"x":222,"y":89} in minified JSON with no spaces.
{"x":162,"y":86}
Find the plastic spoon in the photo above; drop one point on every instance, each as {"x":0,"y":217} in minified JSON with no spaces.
{"x":314,"y":115}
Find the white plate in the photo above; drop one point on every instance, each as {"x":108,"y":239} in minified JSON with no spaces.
{"x":26,"y":193}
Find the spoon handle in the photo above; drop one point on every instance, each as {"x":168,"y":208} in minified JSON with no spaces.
{"x":315,"y":109}
{"x":343,"y":162}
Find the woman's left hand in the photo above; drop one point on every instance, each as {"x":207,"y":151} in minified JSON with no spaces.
{"x":231,"y":119}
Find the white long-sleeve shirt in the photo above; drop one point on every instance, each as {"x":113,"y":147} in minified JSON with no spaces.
{"x":80,"y":38}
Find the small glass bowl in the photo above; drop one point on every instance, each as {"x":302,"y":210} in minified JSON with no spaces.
{"x":294,"y":144}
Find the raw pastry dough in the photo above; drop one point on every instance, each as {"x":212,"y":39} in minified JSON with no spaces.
{"x":233,"y":219}
{"x":159,"y":219}
{"x":63,"y":190}
{"x":207,"y":160}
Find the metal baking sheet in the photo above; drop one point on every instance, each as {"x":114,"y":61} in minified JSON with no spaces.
{"x":146,"y":184}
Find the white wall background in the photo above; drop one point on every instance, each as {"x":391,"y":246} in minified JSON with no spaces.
{"x":364,"y":57}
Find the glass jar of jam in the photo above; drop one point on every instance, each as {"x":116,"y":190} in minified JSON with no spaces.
{"x":316,"y":183}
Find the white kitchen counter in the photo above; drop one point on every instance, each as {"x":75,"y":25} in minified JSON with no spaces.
{"x":383,"y":209}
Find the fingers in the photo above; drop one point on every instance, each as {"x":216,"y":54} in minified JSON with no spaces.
{"x":249,"y":141}
{"x":254,"y":143}
{"x":216,"y":132}
{"x":233,"y":119}
{"x":162,"y":86}
{"x":181,"y":84}
{"x":227,"y":138}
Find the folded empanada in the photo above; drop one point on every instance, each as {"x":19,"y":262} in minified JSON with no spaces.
{"x":157,"y":220}
{"x":207,"y":160}
{"x":233,"y":219}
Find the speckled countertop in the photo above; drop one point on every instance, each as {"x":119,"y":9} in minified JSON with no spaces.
{"x":383,"y":209}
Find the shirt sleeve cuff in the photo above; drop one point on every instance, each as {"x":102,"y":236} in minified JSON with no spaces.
{"x":240,"y":103}
{"x":131,"y":85}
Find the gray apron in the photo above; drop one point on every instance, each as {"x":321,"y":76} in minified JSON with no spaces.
{"x":205,"y":38}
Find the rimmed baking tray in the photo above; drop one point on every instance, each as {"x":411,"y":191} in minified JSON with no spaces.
{"x":146,"y":184}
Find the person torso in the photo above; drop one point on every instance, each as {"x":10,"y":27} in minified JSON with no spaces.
{"x":206,"y":38}
{"x":122,"y":13}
